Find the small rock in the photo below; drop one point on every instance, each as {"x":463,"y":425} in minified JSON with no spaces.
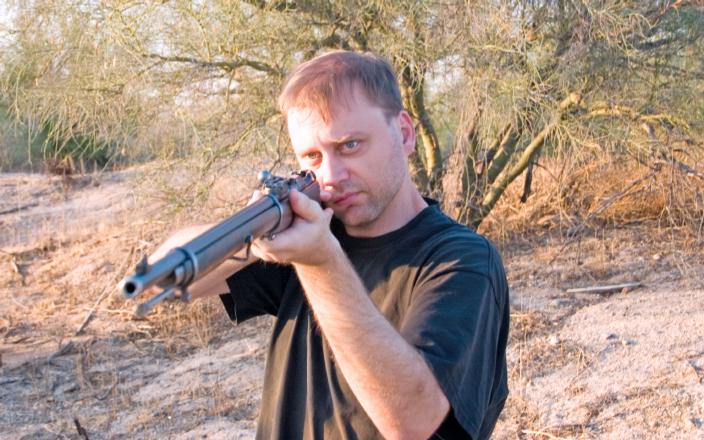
{"x":656,"y":257}
{"x":611,"y":336}
{"x":553,"y":340}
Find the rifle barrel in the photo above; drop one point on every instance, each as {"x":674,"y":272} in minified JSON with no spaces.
{"x":185,"y":264}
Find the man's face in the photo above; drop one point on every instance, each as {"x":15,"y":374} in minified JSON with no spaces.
{"x":358,"y":156}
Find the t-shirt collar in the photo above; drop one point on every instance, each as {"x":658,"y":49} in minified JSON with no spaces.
{"x":349,"y":242}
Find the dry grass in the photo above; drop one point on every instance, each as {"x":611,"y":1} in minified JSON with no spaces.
{"x":600,"y":194}
{"x":526,"y":324}
{"x":539,"y":356}
{"x":518,"y":414}
{"x":522,"y":419}
{"x":49,"y":285}
{"x":659,"y":405}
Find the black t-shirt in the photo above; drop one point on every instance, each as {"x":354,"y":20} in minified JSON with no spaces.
{"x":440,"y":285}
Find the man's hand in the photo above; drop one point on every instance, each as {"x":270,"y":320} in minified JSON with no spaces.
{"x":308,"y":241}
{"x":309,"y":227}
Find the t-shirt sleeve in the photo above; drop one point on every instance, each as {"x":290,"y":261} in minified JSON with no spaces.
{"x":455,"y":320}
{"x":255,"y":290}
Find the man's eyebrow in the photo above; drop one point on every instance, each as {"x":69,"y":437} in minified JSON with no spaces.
{"x":348,"y":136}
{"x":352,"y":135}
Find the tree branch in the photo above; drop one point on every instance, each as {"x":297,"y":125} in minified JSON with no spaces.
{"x":503,"y":154}
{"x":227,"y":66}
{"x":413,"y":85}
{"x":459,"y":180}
{"x":634,"y":115}
{"x":499,"y":186}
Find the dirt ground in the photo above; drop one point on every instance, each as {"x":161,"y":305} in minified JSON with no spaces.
{"x":76,"y":364}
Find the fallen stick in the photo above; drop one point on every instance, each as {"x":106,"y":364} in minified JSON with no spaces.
{"x":18,"y":208}
{"x":605,"y":289}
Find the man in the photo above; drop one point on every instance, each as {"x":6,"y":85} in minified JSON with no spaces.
{"x":390,"y":322}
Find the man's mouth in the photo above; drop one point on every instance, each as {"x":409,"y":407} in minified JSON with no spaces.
{"x":344,"y":199}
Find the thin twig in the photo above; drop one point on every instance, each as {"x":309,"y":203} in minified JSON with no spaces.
{"x":103,"y":294}
{"x":81,"y":431}
{"x":90,"y":314}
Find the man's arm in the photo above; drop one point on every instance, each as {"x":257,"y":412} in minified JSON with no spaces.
{"x":389,"y":377}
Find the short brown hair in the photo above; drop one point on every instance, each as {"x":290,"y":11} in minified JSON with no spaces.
{"x":329,"y":78}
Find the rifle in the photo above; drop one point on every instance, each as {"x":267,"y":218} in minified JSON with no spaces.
{"x":185,"y":264}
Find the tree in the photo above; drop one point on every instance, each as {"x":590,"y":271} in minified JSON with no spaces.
{"x":491,"y":85}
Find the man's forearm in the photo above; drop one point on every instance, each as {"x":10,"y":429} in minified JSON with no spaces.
{"x":388,"y":376}
{"x":215,"y":281}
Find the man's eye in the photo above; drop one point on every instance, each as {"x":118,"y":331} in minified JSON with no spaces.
{"x":350,"y":145}
{"x":311,"y":156}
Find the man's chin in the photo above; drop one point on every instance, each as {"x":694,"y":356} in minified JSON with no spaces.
{"x":354,"y":217}
{"x":345,"y":216}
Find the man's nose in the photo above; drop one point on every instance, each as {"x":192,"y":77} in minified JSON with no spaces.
{"x":331,"y":172}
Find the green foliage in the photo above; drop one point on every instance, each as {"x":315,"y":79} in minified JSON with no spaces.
{"x":18,"y":150}
{"x":492,"y":85}
{"x":58,"y":146}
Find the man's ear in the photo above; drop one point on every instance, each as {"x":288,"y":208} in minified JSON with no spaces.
{"x":408,"y":132}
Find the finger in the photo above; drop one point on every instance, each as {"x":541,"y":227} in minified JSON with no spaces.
{"x":303,"y":206}
{"x":270,"y":257}
{"x":260,"y":252}
{"x":325,"y":196}
{"x":328,"y":212}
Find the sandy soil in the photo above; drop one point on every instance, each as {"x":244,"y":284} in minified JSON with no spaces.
{"x":624,"y":365}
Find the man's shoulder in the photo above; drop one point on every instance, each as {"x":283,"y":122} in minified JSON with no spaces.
{"x":450,"y":245}
{"x":447,"y":236}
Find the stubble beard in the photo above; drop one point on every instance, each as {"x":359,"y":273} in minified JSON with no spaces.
{"x":378,"y":199}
